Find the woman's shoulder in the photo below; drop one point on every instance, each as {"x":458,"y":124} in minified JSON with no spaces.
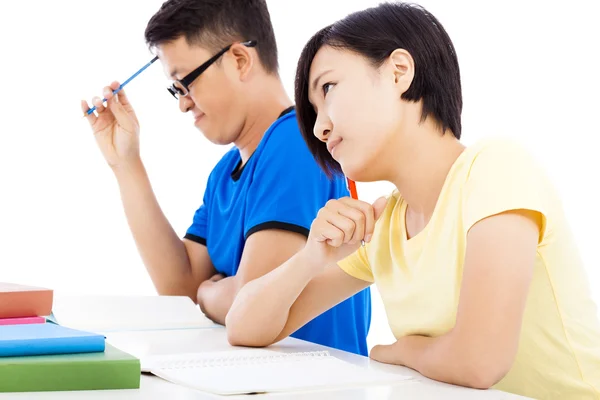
{"x":494,"y":150}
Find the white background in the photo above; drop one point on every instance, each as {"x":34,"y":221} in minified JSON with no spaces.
{"x":529,"y":71}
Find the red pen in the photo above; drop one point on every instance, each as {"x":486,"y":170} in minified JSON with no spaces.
{"x":354,"y":194}
{"x":352,"y":188}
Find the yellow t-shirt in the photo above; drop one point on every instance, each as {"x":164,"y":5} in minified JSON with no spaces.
{"x":419,"y":279}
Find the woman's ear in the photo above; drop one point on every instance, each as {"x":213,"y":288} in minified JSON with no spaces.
{"x":403,"y":69}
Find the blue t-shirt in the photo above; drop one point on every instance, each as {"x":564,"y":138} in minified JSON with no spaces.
{"x":280,"y":187}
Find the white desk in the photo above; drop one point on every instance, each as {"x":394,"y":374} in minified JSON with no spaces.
{"x":204,"y":340}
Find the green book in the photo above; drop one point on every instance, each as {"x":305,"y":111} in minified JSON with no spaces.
{"x":111,"y":369}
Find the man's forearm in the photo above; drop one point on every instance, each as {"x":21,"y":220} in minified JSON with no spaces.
{"x":162,"y":252}
{"x":215,"y":298}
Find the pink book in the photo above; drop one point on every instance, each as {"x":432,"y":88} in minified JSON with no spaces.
{"x":22,"y":321}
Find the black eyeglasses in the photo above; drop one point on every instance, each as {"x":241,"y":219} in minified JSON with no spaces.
{"x":180,"y":88}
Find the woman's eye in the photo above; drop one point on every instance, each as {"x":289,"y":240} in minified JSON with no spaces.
{"x":326,"y":88}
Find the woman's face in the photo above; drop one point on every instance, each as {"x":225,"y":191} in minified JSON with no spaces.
{"x":358,"y":107}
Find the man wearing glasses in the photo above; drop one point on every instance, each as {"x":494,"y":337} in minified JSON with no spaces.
{"x":262,"y":196}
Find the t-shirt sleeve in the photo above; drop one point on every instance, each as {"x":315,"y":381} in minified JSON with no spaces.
{"x":505,"y":177}
{"x":197,"y":232}
{"x":288,"y":188}
{"x":357,"y":265}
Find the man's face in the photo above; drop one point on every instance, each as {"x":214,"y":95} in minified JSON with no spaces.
{"x":215,"y":98}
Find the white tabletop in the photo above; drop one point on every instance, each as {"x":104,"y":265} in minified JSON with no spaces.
{"x":143,"y":343}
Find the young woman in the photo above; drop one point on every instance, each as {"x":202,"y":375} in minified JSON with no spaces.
{"x":472,"y":254}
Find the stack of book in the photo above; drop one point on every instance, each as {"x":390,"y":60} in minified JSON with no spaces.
{"x":38,"y":355}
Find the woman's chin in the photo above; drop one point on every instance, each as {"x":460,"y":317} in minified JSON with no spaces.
{"x":360,"y":172}
{"x":352,"y":171}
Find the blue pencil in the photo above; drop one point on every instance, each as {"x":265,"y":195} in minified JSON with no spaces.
{"x":91,"y":110}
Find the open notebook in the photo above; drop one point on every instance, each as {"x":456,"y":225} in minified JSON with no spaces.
{"x":262,"y":371}
{"x":127,"y":313}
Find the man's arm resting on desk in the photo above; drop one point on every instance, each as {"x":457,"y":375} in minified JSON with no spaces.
{"x":481,"y":348}
{"x":264,"y":251}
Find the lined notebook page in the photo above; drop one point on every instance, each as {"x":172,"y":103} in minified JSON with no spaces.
{"x":260,"y":371}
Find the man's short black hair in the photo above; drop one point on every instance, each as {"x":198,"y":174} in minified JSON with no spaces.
{"x":215,"y":24}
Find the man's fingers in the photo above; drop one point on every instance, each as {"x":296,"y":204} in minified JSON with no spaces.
{"x":91,"y":117}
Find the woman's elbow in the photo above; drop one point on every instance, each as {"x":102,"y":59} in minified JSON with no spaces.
{"x":235,"y":333}
{"x":236,"y":339}
{"x":484,"y":376}
{"x":480,"y":381}
{"x":237,"y":336}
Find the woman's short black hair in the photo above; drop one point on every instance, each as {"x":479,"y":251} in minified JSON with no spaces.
{"x":375,"y":33}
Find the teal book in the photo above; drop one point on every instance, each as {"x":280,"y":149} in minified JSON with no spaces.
{"x":111,"y":369}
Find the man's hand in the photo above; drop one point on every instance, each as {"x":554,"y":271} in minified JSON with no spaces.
{"x":216,"y":278}
{"x":204,"y":288}
{"x":115,"y":127}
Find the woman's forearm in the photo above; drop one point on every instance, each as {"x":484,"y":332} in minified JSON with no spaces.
{"x":260,"y":311}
